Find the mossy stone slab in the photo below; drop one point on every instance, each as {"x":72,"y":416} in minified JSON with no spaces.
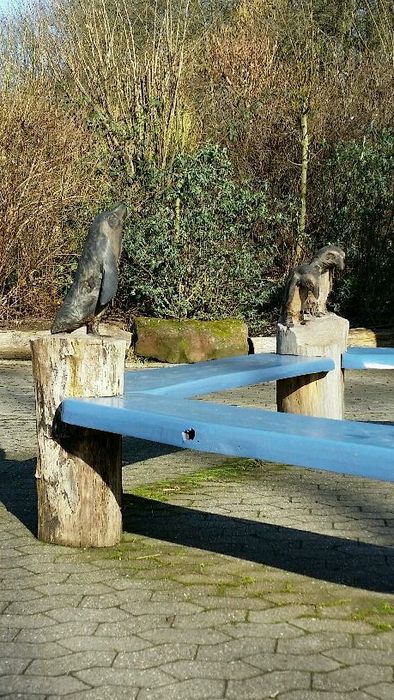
{"x":176,"y":341}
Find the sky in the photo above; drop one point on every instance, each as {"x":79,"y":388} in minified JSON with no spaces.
{"x":6,"y":4}
{"x":3,"y":5}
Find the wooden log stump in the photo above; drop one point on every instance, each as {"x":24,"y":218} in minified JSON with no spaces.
{"x":320,"y":395}
{"x":78,"y":472}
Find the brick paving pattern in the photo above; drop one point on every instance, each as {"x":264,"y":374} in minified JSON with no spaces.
{"x":276,"y":584}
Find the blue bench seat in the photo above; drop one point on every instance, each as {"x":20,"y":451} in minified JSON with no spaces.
{"x":348,"y":447}
{"x":368,"y":358}
{"x":184,"y":381}
{"x":157,"y":406}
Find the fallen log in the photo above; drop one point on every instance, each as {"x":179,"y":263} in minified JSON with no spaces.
{"x":15,"y":344}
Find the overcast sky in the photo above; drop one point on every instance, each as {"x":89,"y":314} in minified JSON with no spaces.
{"x":5,"y":5}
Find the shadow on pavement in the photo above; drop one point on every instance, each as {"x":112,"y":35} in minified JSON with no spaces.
{"x":18,"y":489}
{"x":324,"y":557}
{"x":136,"y":450}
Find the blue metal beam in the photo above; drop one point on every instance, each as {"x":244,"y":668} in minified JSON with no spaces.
{"x":368,"y":358}
{"x":145,"y":411}
{"x":185,"y":381}
{"x":348,"y":447}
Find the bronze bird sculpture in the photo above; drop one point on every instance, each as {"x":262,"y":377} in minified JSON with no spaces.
{"x":96,"y":278}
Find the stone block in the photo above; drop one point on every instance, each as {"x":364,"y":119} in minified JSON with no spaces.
{"x":177,"y":341}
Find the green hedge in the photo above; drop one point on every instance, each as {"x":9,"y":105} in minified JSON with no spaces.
{"x":191,"y":250}
{"x":358,"y":210}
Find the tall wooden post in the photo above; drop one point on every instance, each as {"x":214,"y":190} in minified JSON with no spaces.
{"x":78,"y":470}
{"x":320,"y":395}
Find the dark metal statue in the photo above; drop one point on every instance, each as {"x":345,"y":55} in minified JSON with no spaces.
{"x":96,"y":278}
{"x":303,"y":281}
{"x":329,"y":258}
{"x":309,"y":285}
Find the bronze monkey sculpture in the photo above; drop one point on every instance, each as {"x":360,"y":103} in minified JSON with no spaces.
{"x":329,"y":258}
{"x":303,"y":280}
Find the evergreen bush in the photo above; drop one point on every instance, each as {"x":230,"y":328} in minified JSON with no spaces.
{"x":191,"y":251}
{"x":358,"y":205}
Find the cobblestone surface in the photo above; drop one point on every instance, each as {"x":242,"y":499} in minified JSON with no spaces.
{"x":276,"y":584}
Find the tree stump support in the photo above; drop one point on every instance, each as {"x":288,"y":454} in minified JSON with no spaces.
{"x":320,"y":395}
{"x":78,"y":472}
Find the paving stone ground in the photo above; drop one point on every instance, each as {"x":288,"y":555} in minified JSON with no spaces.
{"x":271,"y":582}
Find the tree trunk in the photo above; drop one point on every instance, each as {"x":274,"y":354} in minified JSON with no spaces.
{"x":319,"y":395}
{"x":303,"y":178}
{"x":78,"y":470}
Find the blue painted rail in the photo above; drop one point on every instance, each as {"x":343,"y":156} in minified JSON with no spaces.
{"x":368,"y":358}
{"x":186,"y":381}
{"x":157,"y":406}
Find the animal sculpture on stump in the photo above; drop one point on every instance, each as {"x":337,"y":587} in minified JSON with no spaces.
{"x":96,"y":278}
{"x":328,"y":259}
{"x":303,"y":281}
{"x":309,"y":285}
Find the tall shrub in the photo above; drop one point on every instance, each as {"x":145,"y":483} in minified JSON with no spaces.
{"x":44,"y":189}
{"x":191,"y":251}
{"x":127,"y":74}
{"x":48,"y":190}
{"x":357,"y":201}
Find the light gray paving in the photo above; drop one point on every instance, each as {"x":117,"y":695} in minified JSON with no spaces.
{"x":277,"y":582}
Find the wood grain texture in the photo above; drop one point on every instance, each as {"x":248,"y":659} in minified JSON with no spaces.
{"x":78,"y":470}
{"x":320,"y":395}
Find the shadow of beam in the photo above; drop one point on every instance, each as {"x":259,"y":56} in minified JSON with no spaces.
{"x":324,"y":557}
{"x":18,"y":490}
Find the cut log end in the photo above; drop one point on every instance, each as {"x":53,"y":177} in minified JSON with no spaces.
{"x":320,"y":395}
{"x":78,"y":470}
